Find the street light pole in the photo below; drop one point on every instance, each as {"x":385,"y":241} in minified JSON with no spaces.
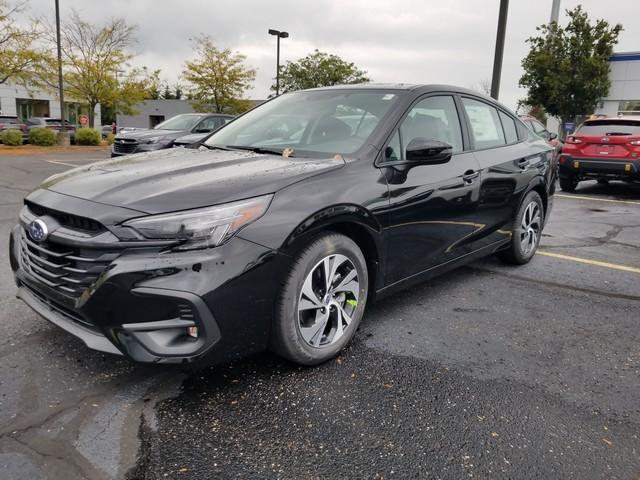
{"x":497,"y":58}
{"x":279,"y":35}
{"x":555,"y":11}
{"x":60,"y":84}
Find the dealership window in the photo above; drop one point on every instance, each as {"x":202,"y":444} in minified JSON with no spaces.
{"x":629,"y":107}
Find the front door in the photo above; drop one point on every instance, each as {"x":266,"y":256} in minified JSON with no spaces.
{"x":432,"y":207}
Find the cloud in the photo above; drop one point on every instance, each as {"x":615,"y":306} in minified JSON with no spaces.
{"x":412,"y":41}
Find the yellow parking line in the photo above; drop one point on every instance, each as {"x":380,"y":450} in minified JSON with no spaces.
{"x":588,"y":261}
{"x":582,"y":197}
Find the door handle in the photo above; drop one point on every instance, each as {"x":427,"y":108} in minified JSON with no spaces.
{"x":523,"y":163}
{"x":469,"y":176}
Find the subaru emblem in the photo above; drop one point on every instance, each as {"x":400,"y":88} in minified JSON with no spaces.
{"x":38,"y":230}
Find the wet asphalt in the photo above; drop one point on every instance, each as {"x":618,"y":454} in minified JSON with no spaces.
{"x":487,"y":372}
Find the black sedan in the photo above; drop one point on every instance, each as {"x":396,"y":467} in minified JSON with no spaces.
{"x":165,"y":134}
{"x":283,"y":225}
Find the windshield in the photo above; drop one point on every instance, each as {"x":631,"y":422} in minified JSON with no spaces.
{"x":610,"y":127}
{"x":180,"y":122}
{"x":323,"y":121}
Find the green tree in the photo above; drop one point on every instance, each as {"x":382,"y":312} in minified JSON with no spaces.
{"x":93,"y":56}
{"x":217,"y":79}
{"x":20,"y":57}
{"x":567,"y":69}
{"x":319,"y":69}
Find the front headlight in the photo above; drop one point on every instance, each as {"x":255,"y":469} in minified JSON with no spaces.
{"x":202,"y":227}
{"x":152,"y":140}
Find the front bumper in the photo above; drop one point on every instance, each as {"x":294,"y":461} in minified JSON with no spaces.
{"x":143,"y":304}
{"x":118,"y":151}
{"x":582,"y":167}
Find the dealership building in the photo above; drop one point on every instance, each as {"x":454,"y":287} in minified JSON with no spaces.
{"x":24,"y":103}
{"x":624,"y":94}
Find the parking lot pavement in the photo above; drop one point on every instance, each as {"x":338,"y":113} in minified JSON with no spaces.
{"x":489,"y":371}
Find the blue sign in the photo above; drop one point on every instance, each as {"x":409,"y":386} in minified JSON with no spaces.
{"x":569,"y":126}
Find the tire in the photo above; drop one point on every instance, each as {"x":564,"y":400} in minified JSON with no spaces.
{"x":304,"y":304}
{"x":527,"y":230}
{"x":568,"y":184}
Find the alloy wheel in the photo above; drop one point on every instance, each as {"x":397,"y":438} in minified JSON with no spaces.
{"x":328,"y":300}
{"x":530,"y":228}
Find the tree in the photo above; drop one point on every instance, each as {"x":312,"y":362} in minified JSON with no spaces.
{"x":20,"y":57}
{"x":218,"y":79}
{"x":319,"y":69}
{"x":567,"y":69}
{"x":93,"y":56}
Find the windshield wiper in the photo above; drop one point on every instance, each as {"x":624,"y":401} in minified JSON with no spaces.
{"x":274,"y":151}
{"x":213,"y":147}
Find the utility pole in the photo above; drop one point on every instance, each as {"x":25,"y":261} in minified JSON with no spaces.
{"x":555,"y":11}
{"x":63,"y":139}
{"x":499,"y":53}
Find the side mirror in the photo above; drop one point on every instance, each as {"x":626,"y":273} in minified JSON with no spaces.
{"x":424,"y":150}
{"x":553,"y":136}
{"x":202,"y":130}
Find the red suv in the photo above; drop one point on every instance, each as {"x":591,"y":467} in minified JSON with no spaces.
{"x":603,"y":149}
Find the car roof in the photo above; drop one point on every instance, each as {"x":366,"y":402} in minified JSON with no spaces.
{"x":633,"y":118}
{"x":423,"y":88}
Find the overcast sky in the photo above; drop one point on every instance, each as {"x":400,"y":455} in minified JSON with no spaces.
{"x":412,"y":41}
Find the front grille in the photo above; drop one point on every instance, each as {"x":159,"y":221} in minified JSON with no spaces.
{"x":67,"y":313}
{"x":70,"y":270}
{"x":124,"y":145}
{"x":66,"y":219}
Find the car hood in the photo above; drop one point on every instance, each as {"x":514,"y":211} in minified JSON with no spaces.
{"x":179,"y":179}
{"x":145,"y":134}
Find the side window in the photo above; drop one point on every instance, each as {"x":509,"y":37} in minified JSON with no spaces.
{"x":434,"y":118}
{"x":509,"y":126}
{"x":485,"y":124}
{"x":209,"y":124}
{"x":538,"y":127}
{"x":393,"y":151}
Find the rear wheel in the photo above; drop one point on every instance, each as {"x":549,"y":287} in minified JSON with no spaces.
{"x":526,"y":231}
{"x":322,"y":301}
{"x":568,"y":184}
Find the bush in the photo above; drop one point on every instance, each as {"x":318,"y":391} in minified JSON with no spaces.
{"x":88,"y":136}
{"x":42,"y":136}
{"x":110,"y":138}
{"x":11,"y":136}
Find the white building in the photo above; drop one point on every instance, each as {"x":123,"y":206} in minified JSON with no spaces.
{"x":17,"y":100}
{"x":624,"y":95}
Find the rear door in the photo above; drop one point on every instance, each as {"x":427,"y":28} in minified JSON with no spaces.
{"x":432,"y":207}
{"x":508,"y":164}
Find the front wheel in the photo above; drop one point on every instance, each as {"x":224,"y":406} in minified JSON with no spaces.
{"x":322,"y":300}
{"x":526,"y":231}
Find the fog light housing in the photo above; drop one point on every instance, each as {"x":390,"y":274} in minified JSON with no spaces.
{"x":576,"y":164}
{"x":192,"y":332}
{"x":627,"y":168}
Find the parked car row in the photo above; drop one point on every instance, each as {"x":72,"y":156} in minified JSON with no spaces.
{"x":8,"y":122}
{"x":55,"y":124}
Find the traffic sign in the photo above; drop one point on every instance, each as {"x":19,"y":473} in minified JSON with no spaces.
{"x":84,"y":120}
